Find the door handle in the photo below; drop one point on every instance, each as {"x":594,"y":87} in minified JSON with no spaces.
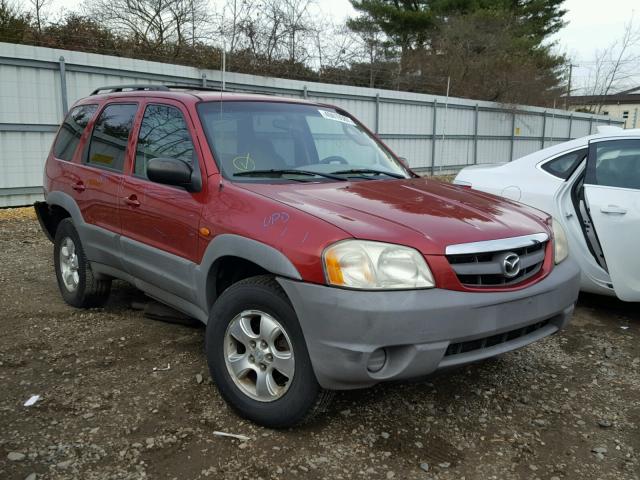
{"x":79,"y":187}
{"x":132,"y":201}
{"x":615,"y":209}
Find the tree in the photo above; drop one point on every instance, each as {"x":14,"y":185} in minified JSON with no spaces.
{"x":162,"y":26}
{"x":374,"y":47}
{"x":15,"y":25}
{"x":412,"y":23}
{"x":38,"y":10}
{"x":77,"y":32}
{"x":485,"y":56}
{"x":472,"y":43}
{"x":614,"y":66}
{"x":485,"y":49}
{"x":234,"y":13}
{"x":407,"y":23}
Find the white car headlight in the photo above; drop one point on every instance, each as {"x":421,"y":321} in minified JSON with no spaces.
{"x":560,"y":243}
{"x":375,"y":266}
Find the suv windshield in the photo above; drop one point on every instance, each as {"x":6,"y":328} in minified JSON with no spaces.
{"x":271,"y":141}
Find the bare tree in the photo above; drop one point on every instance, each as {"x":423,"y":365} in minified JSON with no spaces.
{"x":155,"y":23}
{"x":38,"y":12}
{"x":235,"y":14}
{"x":298,"y":25}
{"x":269,"y":33}
{"x":614,"y":66}
{"x":335,"y":46}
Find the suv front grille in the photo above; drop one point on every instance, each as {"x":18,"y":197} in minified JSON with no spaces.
{"x":492,"y":341}
{"x":487,"y":267}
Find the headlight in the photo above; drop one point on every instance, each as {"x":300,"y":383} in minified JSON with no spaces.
{"x":560,"y":244}
{"x":375,"y":266}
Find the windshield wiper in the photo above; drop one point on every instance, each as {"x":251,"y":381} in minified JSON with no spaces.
{"x":290,"y":171}
{"x":368,"y":170}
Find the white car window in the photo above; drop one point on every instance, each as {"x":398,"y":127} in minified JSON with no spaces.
{"x":617,"y":164}
{"x":564,"y":165}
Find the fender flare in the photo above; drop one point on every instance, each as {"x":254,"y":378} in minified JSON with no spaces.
{"x":227,"y":244}
{"x":65,"y":201}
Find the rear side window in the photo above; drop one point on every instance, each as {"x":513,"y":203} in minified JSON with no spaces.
{"x":163,"y":133}
{"x":71,"y":130}
{"x":110,"y":136}
{"x":565,"y":165}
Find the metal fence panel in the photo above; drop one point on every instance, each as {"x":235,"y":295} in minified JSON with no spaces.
{"x":22,"y":159}
{"x":494,"y":151}
{"x":412,"y":119}
{"x":528,"y":125}
{"x":453,"y":153}
{"x":494,"y":123}
{"x":29,"y":95}
{"x":525,"y":147}
{"x":418,"y":149}
{"x":436,"y":134}
{"x":580,"y":128}
{"x":453,"y":120}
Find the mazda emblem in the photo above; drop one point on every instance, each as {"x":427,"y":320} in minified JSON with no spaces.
{"x":511,"y":265}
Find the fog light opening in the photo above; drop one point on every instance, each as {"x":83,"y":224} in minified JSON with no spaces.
{"x":377,"y":359}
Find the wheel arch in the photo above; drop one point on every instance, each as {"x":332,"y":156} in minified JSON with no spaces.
{"x":57,"y":207}
{"x":230,"y":258}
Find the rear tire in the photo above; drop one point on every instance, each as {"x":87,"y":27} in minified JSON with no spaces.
{"x":77,"y":283}
{"x":258,"y":357}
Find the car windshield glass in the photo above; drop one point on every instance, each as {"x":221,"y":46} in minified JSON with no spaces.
{"x":268,"y":137}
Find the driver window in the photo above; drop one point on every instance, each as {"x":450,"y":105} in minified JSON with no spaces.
{"x":163,"y":133}
{"x":618,"y":163}
{"x":332,"y":140}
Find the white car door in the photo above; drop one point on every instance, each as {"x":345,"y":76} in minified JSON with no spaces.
{"x":612,"y":193}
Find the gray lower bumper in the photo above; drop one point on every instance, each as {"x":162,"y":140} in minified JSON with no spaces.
{"x":343,"y":328}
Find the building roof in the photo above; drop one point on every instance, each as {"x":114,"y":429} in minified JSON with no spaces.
{"x":627,"y":96}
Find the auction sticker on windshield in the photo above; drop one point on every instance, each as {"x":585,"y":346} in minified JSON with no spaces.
{"x":336,"y":117}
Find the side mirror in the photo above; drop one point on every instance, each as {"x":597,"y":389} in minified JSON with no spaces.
{"x":170,"y":171}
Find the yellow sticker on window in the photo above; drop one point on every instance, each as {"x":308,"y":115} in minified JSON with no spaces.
{"x":102,"y":159}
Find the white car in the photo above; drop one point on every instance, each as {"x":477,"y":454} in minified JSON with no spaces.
{"x":591,"y":186}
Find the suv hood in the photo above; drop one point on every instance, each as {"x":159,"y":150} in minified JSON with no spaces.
{"x":422,"y":213}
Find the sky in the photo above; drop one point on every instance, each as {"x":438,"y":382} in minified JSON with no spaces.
{"x":592,"y":25}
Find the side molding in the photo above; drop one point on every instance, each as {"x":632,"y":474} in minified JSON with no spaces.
{"x":104,"y":247}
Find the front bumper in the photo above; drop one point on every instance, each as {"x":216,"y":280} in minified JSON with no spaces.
{"x":342,"y":328}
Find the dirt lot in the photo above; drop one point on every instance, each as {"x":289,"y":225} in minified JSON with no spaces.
{"x":566,"y":407}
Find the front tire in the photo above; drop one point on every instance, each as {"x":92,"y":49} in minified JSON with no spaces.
{"x":258,"y":358}
{"x":77,"y":283}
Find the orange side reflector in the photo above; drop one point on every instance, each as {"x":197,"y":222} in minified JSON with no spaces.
{"x":204,"y":231}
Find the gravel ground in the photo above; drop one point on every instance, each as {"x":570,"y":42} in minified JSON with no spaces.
{"x":565,"y":407}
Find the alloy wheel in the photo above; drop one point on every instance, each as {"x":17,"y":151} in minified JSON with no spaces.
{"x":259,"y":355}
{"x":69,"y":264}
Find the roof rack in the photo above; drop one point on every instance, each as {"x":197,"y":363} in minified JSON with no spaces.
{"x":131,"y":88}
{"x":198,"y":88}
{"x":150,"y":88}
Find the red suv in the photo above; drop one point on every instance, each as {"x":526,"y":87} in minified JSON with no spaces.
{"x":316,"y":258}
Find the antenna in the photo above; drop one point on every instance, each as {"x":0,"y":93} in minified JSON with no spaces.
{"x":224,"y":64}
